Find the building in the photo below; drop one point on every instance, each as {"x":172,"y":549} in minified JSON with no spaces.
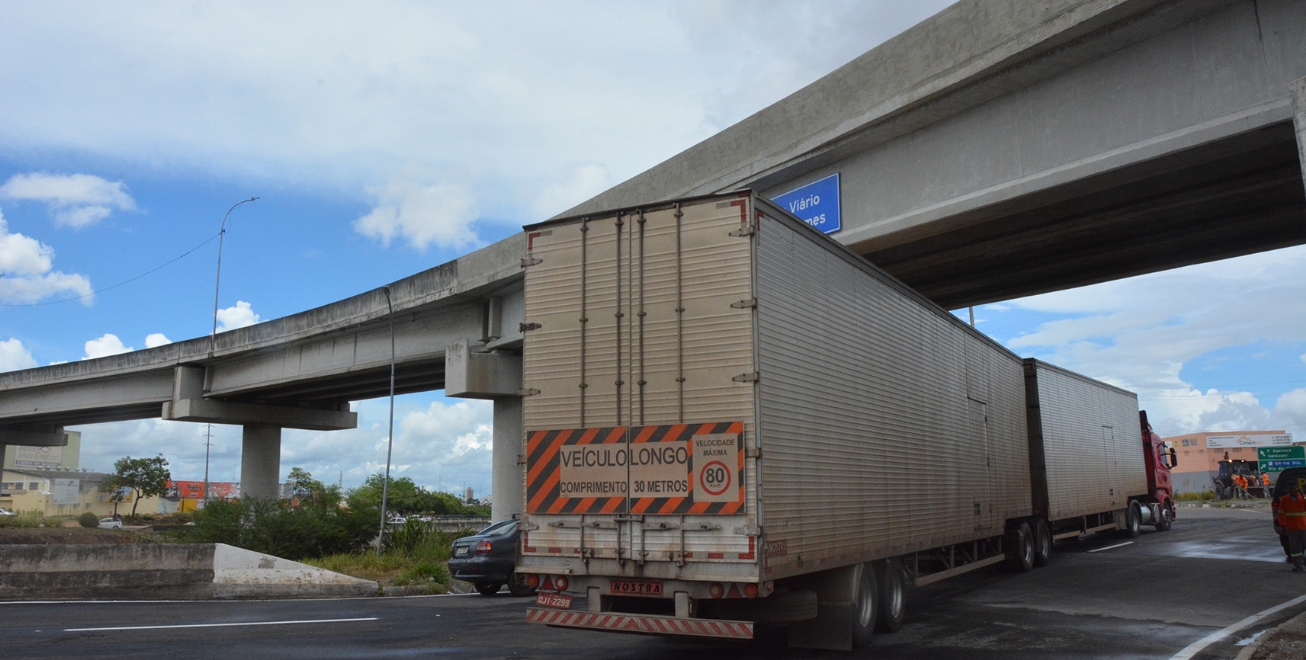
{"x":1200,"y":454}
{"x":64,"y":493}
{"x":18,"y":457}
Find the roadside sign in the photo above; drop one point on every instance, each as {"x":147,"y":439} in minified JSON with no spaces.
{"x":817,"y":203}
{"x":1277,"y":459}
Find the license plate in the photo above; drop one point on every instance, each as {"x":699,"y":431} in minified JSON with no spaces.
{"x":556,"y":601}
{"x":462,"y":551}
{"x":632,"y":588}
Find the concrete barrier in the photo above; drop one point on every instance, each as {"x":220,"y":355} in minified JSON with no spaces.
{"x":163,"y":571}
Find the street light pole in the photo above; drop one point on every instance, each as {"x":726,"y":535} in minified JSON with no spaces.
{"x":213,"y":338}
{"x":385,"y":485}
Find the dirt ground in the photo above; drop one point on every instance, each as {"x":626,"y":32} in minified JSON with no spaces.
{"x":60,"y":535}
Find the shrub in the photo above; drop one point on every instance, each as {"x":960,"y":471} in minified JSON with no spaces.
{"x":269,"y":527}
{"x":1203,"y":496}
{"x":88,"y":519}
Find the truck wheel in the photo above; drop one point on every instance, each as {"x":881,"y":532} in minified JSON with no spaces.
{"x":864,"y":608}
{"x":1024,"y":548}
{"x":1042,"y":543}
{"x":487,"y":588}
{"x":517,"y":586}
{"x":1167,"y":517}
{"x":893,"y":603}
{"x":1133,"y":520}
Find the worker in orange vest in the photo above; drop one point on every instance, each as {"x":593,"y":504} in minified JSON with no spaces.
{"x":1241,"y":482}
{"x":1265,"y":484}
{"x":1292,"y":517}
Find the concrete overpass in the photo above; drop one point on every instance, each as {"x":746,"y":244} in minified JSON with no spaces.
{"x":300,"y":371}
{"x":1002,"y":149}
{"x":997,"y":149}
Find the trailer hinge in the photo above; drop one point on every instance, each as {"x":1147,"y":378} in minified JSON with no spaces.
{"x":750,"y":377}
{"x":746,"y":230}
{"x":527,"y":327}
{"x":638,"y":519}
{"x":530,"y":261}
{"x":702,"y":527}
{"x":525,"y":526}
{"x":527,"y":391}
{"x":750,"y":529}
{"x":521,"y":459}
{"x":744,"y":304}
{"x":753,"y":452}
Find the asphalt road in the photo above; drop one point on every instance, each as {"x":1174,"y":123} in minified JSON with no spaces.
{"x":1151,"y":598}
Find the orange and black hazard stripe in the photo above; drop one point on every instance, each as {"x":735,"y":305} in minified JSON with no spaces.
{"x":684,"y":505}
{"x":543,"y":468}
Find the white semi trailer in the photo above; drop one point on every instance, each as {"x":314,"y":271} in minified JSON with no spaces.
{"x":731,"y":419}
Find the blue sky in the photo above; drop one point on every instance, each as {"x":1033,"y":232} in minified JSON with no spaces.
{"x":386,"y":138}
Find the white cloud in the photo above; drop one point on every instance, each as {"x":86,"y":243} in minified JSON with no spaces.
{"x":1139,"y":333}
{"x":439,"y":215}
{"x":25,"y":271}
{"x":75,"y":200}
{"x":355,"y":95}
{"x":581,"y":183}
{"x":156,"y":339}
{"x":239,"y":316}
{"x":15,"y":356}
{"x":107,"y":345}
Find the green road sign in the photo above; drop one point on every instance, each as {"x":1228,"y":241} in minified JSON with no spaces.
{"x":1277,"y":459}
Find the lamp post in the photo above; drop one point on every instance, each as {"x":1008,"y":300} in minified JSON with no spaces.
{"x":385,"y":485}
{"x":213,"y":338}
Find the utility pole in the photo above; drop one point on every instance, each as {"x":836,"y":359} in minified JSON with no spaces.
{"x":208,"y":442}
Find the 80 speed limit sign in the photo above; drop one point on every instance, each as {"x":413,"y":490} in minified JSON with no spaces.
{"x":716,"y":467}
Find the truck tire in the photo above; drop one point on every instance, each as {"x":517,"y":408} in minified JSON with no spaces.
{"x":1167,"y":517}
{"x":517,"y":586}
{"x":1042,"y":543}
{"x":487,"y":588}
{"x":865,"y":608}
{"x":893,"y":602}
{"x":1024,"y":557}
{"x":1133,"y":520}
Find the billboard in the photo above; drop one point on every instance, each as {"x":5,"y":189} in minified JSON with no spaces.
{"x":66,"y":491}
{"x":1248,"y":440}
{"x":194,"y":490}
{"x":41,"y":458}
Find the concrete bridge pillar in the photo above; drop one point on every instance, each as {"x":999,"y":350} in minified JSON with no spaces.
{"x":260,"y":461}
{"x":495,"y":376}
{"x":506,"y":477}
{"x":1298,"y":88}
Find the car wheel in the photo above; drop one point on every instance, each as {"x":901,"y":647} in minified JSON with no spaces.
{"x":488,"y":588}
{"x":517,"y":586}
{"x":893,"y":603}
{"x":865,"y":604}
{"x":1042,"y":543}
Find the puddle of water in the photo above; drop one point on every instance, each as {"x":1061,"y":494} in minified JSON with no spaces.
{"x":1218,"y":550}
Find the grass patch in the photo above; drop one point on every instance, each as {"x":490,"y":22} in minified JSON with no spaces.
{"x":1204,"y":496}
{"x":28,"y":521}
{"x":415,"y":555}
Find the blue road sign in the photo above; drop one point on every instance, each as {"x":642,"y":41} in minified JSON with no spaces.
{"x":817,"y":203}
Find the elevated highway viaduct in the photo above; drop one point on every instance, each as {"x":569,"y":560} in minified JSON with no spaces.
{"x":996,"y":150}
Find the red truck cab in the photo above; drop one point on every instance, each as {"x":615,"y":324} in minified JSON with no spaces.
{"x":1159,"y":460}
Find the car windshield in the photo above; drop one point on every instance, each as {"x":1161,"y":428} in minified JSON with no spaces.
{"x":501,"y":527}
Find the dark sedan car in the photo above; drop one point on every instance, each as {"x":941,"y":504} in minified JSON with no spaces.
{"x":487,"y":559}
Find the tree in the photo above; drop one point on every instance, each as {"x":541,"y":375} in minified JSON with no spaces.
{"x":145,"y":477}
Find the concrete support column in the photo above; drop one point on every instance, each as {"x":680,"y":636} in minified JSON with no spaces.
{"x":260,"y":461}
{"x":506,"y":479}
{"x":1298,"y":90}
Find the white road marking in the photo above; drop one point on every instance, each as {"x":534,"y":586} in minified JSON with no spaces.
{"x":220,"y":625}
{"x":1111,"y":547}
{"x":1197,"y":646}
